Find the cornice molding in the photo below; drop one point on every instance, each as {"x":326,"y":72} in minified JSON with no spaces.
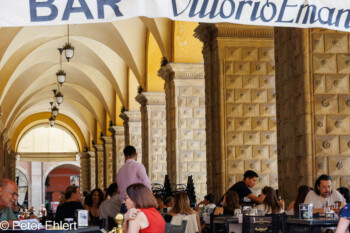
{"x":116,"y":130}
{"x":151,"y":98}
{"x":177,"y":71}
{"x":131,"y":116}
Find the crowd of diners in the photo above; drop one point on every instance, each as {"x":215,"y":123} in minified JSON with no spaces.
{"x":145,"y":212}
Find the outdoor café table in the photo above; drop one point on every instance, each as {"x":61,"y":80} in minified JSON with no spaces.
{"x":223,"y":221}
{"x":312,"y":223}
{"x":90,"y":229}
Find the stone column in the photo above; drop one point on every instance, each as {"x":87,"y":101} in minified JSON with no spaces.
{"x":118,"y":144}
{"x":36,"y":176}
{"x":313,"y":106}
{"x":240,"y":104}
{"x":92,"y":169}
{"x":11,"y":166}
{"x":84,"y":171}
{"x":153,"y":134}
{"x":108,"y":160}
{"x":99,"y":169}
{"x":132,"y":131}
{"x":185,"y":118}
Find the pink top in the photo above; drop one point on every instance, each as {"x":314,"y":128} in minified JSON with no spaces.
{"x":155,"y":220}
{"x":130,"y":173}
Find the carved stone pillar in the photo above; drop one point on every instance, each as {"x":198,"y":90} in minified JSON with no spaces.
{"x":313,"y":108}
{"x":132,"y":130}
{"x":11,"y":166}
{"x":118,"y":145}
{"x":84,"y":171}
{"x":99,"y":170}
{"x":92,"y":169}
{"x":185,"y":117}
{"x":108,"y":160}
{"x":240,"y":104}
{"x":153,"y":134}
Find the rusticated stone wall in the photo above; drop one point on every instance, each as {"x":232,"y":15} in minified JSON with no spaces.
{"x":153,"y":134}
{"x":132,"y":131}
{"x":92,"y":168}
{"x":313,"y":99}
{"x":99,"y":169}
{"x":240,"y":104}
{"x":84,"y":171}
{"x":108,"y":160}
{"x":185,"y":118}
{"x":118,"y":140}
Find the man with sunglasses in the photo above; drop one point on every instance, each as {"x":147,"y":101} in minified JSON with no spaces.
{"x":8,"y":197}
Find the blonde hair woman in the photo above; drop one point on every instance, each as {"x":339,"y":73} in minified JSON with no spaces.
{"x":182,"y":211}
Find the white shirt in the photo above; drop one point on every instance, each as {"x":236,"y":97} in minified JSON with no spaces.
{"x":320,"y":202}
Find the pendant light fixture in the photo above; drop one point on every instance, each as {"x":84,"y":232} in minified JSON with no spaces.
{"x":54,"y":110}
{"x":68,"y":49}
{"x":58,"y":96}
{"x":52,"y":121}
{"x":61,"y":75}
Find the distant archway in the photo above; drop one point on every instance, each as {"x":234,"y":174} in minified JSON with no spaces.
{"x":57,"y":179}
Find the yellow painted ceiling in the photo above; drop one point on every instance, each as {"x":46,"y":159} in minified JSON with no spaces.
{"x":111,"y":60}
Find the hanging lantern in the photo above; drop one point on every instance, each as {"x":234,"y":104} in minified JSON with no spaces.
{"x":59,"y":98}
{"x":55,"y":111}
{"x":52,"y":121}
{"x":68,"y":51}
{"x":61,"y":76}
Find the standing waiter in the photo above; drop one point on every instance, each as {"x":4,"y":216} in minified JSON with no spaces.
{"x":242,"y":188}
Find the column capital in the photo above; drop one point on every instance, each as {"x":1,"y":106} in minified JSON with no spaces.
{"x":131,"y":116}
{"x":91,"y":154}
{"x":116,"y":130}
{"x":98,"y":147}
{"x":181,"y":71}
{"x":151,"y":98}
{"x":207,"y":32}
{"x":84,"y":155}
{"x":106,"y":139}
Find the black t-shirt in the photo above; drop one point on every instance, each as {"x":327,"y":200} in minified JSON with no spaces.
{"x":67,"y":210}
{"x":241,"y":189}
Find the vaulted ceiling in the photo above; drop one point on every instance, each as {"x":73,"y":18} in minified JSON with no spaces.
{"x":110,"y":59}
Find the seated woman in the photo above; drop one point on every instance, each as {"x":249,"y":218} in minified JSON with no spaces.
{"x":270,"y":204}
{"x":293,"y":208}
{"x":148,"y":220}
{"x":182,"y":211}
{"x":92,"y":204}
{"x":72,"y":202}
{"x":230,"y":203}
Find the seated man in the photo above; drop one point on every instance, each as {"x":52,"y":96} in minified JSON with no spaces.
{"x":72,"y":203}
{"x":242,"y":188}
{"x":8,"y":197}
{"x":323,"y":195}
{"x":208,"y":199}
{"x":110,"y":207}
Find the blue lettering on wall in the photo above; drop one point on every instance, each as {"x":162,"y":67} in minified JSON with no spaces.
{"x":34,"y":13}
{"x":83,"y":8}
{"x":111,"y":3}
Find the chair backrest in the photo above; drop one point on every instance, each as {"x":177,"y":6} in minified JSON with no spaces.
{"x":218,"y":223}
{"x":261,"y":224}
{"x":169,"y":228}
